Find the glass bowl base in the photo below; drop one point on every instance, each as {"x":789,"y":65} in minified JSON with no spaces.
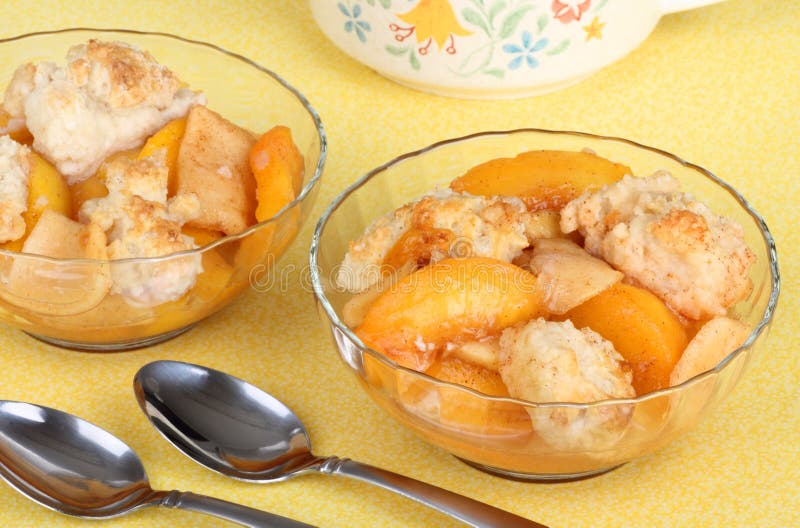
{"x":117,"y":346}
{"x":540,"y":478}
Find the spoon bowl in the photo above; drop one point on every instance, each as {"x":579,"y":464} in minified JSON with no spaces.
{"x":74,"y":467}
{"x":69,"y":465}
{"x":235,"y":428}
{"x":222,"y":422}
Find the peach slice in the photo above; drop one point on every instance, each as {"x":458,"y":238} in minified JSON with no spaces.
{"x":277,"y":165}
{"x":476,"y":377}
{"x":543,"y":179}
{"x":469,"y":412}
{"x":417,"y":246}
{"x":92,"y":187}
{"x":213,"y":164}
{"x":356,"y":308}
{"x":643,"y":330}
{"x":568,"y":275}
{"x":202,"y":237}
{"x":51,"y":287}
{"x":484,"y":353}
{"x":451,"y":300}
{"x":712,"y":343}
{"x":168,"y":138}
{"x":543,"y":224}
{"x":47,"y":190}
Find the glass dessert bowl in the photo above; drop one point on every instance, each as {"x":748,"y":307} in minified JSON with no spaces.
{"x":503,"y":434}
{"x":91,"y":303}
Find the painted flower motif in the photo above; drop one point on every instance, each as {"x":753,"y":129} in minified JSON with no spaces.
{"x":353,"y":24}
{"x":524,"y":52}
{"x":432,"y":21}
{"x":568,"y":10}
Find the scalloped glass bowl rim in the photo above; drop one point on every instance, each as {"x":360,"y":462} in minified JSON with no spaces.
{"x":227,"y":238}
{"x":333,"y":317}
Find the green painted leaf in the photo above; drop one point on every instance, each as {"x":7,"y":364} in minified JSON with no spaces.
{"x":394,"y":50}
{"x":512,"y":21}
{"x":473,"y":17}
{"x":413,"y":60}
{"x":542,"y":22}
{"x":495,"y":9}
{"x":561,"y":46}
{"x":468,"y":66}
{"x":478,"y":4}
{"x":495,"y":73}
{"x":386,"y":3}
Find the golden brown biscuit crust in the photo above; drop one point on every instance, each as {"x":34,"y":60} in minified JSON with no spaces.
{"x":131,"y":76}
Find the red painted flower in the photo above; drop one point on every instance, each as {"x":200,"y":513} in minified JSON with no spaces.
{"x":568,"y":10}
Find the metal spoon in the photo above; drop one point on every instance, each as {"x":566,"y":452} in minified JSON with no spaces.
{"x":236,"y":429}
{"x":72,"y":466}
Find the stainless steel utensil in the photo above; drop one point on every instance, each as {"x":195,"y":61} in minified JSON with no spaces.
{"x":74,"y":467}
{"x":236,"y":429}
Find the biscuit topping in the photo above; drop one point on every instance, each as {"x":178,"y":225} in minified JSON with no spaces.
{"x":120,"y":75}
{"x":109,"y":97}
{"x":694,"y":259}
{"x":545,"y":361}
{"x":140,"y":222}
{"x":480,"y":226}
{"x":14,"y":170}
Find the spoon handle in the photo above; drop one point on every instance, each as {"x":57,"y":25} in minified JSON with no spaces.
{"x":228,"y":510}
{"x":466,"y":510}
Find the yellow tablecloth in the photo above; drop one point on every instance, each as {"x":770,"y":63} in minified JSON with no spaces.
{"x":719,"y":86}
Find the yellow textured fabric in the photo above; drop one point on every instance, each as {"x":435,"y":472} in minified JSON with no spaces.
{"x":718,"y":86}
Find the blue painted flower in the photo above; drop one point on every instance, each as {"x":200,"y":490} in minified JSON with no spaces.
{"x":353,"y":23}
{"x":525,"y":51}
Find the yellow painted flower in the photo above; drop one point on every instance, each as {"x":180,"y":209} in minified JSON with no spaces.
{"x":434,"y":19}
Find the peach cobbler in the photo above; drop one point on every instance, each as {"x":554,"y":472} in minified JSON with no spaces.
{"x":111,"y":157}
{"x":554,"y":276}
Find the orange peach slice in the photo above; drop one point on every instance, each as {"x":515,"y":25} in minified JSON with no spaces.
{"x":356,"y":308}
{"x":92,"y":187}
{"x":417,"y":246}
{"x":472,"y":413}
{"x":277,"y":165}
{"x":643,"y":330}
{"x":47,"y":190}
{"x":451,"y":300}
{"x":476,"y":377}
{"x":202,"y":237}
{"x":543,"y":179}
{"x":168,"y":138}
